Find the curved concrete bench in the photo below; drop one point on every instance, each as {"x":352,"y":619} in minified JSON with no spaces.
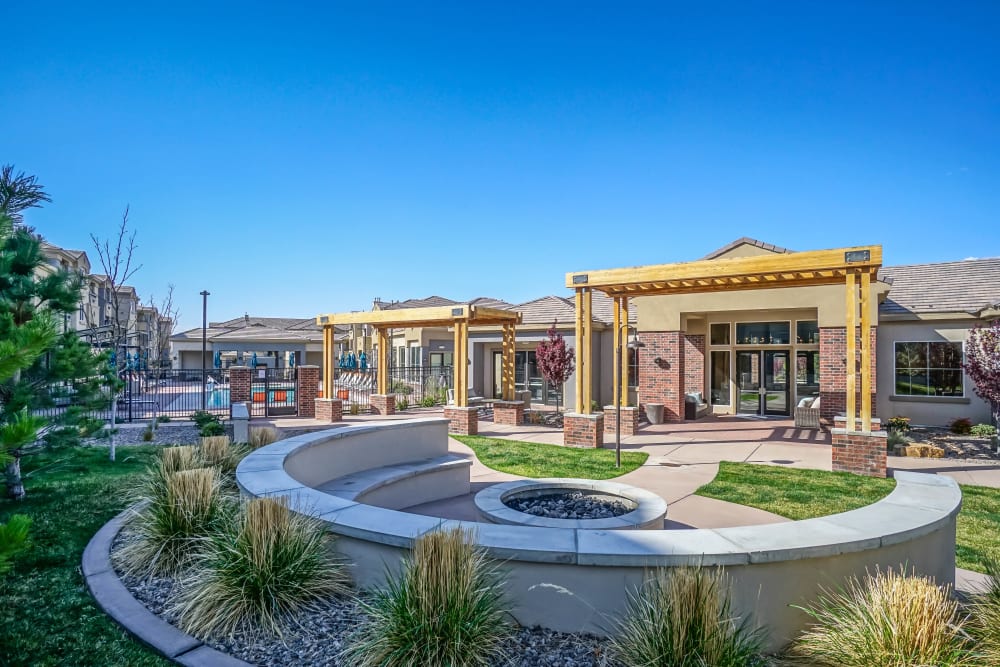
{"x":405,"y":484}
{"x":578,"y":579}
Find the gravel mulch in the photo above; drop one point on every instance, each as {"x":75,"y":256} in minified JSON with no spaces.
{"x":168,"y":433}
{"x":955,"y":446}
{"x":570,"y":505}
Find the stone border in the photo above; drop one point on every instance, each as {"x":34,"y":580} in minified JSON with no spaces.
{"x":117,"y":602}
{"x":649,"y":512}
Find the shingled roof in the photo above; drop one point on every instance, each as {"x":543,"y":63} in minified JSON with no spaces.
{"x":746,"y":240}
{"x":969,"y":286}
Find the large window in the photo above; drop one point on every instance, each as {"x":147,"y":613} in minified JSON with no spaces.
{"x":633,"y":367}
{"x":762,"y":333}
{"x":929,"y":369}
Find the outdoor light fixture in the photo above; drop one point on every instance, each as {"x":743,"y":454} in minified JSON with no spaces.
{"x":204,"y":343}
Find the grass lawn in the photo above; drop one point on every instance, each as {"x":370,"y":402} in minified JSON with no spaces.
{"x":804,"y":494}
{"x":47,"y":616}
{"x":531,"y":459}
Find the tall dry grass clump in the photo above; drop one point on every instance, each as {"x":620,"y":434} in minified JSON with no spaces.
{"x":219,"y":452}
{"x":257,"y":570}
{"x":984,"y":612}
{"x":885,"y":620}
{"x":446,"y":608}
{"x":262,"y":436}
{"x":180,"y":510}
{"x":682,"y":617}
{"x":175,"y":459}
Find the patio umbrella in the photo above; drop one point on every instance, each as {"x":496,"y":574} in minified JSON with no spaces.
{"x":253,"y":360}
{"x":363,"y":361}
{"x":217,"y":359}
{"x":291,"y":360}
{"x":351,"y":363}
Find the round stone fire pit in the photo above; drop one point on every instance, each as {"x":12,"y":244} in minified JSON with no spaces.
{"x":571,"y":503}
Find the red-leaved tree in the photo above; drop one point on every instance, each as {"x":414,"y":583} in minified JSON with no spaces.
{"x":555,"y":360}
{"x":982,"y":363}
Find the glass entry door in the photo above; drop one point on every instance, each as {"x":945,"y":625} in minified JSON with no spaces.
{"x":762,"y":382}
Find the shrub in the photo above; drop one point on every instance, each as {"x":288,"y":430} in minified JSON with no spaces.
{"x":355,"y":409}
{"x":202,"y":417}
{"x":175,"y":459}
{"x":217,"y":451}
{"x":147,"y":434}
{"x":887,"y":620}
{"x":182,"y":508}
{"x":961,"y":426}
{"x":898,"y":424}
{"x":89,"y":426}
{"x":162,"y":419}
{"x":212,"y":429}
{"x":258,"y":569}
{"x":894,"y":438}
{"x":400,"y":387}
{"x":428,"y":402}
{"x":261,"y":437}
{"x":402,"y":404}
{"x":445,"y":609}
{"x":13,"y":539}
{"x":682,"y":618}
{"x":983,"y":430}
{"x":984,"y":608}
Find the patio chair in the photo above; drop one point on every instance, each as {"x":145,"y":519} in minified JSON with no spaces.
{"x":807,"y":413}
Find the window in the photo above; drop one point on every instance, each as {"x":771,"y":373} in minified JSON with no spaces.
{"x":633,"y":367}
{"x":720,"y":377}
{"x":806,"y":374}
{"x":929,"y":369}
{"x":806,"y":332}
{"x":762,"y":333}
{"x":720,"y":333}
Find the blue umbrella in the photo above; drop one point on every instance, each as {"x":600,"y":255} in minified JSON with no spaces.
{"x":291,"y":360}
{"x":351,"y":363}
{"x":363,"y":360}
{"x":217,"y":359}
{"x":253,"y":360}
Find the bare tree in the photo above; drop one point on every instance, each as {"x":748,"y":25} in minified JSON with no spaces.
{"x":116,"y":256}
{"x":169,"y":312}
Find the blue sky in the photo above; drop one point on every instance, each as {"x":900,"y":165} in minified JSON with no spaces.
{"x":299,"y":159}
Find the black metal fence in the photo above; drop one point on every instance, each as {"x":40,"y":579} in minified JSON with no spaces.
{"x":417,"y":385}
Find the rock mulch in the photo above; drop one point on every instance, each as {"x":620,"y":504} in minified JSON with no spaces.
{"x":955,"y":446}
{"x":168,"y":433}
{"x":570,"y":505}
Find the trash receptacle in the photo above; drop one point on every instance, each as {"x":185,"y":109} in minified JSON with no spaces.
{"x":654,"y":413}
{"x":524,"y":397}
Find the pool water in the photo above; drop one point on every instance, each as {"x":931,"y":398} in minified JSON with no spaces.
{"x":219,"y":398}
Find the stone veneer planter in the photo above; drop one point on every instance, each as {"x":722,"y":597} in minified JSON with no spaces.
{"x":574,"y":579}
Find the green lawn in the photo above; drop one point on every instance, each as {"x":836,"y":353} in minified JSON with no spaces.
{"x":47,"y":616}
{"x":531,"y":459}
{"x":804,"y":494}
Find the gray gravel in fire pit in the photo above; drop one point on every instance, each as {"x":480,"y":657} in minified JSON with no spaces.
{"x":570,"y":505}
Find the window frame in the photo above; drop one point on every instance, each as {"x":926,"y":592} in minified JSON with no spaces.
{"x":928,"y":368}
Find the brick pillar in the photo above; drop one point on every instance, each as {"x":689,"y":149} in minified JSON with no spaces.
{"x":239,"y":384}
{"x":580,"y":430}
{"x":833,"y":370}
{"x":630,"y":420}
{"x":694,"y":363}
{"x":862,"y":453}
{"x":382,"y":404}
{"x":661,"y":371}
{"x":463,"y":420}
{"x":306,"y":390}
{"x":508,"y":412}
{"x":329,"y":410}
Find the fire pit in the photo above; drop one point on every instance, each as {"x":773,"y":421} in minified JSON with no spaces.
{"x":571,"y":503}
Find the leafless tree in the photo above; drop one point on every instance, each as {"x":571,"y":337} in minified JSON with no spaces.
{"x":171,"y":313}
{"x":116,"y":257}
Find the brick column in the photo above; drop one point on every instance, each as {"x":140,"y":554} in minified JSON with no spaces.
{"x":862,"y":453}
{"x":462,"y":420}
{"x":663,"y":381}
{"x":382,"y":404}
{"x":580,"y":430}
{"x":239,"y":384}
{"x":833,"y":370}
{"x":508,"y":412}
{"x":306,"y":390}
{"x":630,"y":420}
{"x":329,"y":410}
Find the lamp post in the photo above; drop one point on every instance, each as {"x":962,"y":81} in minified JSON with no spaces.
{"x":633,"y":345}
{"x":204,"y":343}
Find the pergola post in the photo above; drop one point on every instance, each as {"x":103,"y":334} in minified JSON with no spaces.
{"x":866,"y":354}
{"x":584,"y":428}
{"x":507,"y":363}
{"x":851,"y":358}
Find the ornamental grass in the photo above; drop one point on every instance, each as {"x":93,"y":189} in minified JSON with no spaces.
{"x":219,"y":452}
{"x":682,"y":617}
{"x":446,"y":608}
{"x":174,"y":459}
{"x":984,"y":612}
{"x":262,"y":436}
{"x":887,"y":619}
{"x":257,"y":571}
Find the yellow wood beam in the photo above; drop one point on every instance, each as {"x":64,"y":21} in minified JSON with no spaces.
{"x":507,"y":363}
{"x":851,"y":352}
{"x":327,"y":366}
{"x":588,"y":340}
{"x":624,"y":380}
{"x":423,"y":317}
{"x":616,"y":341}
{"x":866,"y":354}
{"x":383,"y":360}
{"x":578,"y":340}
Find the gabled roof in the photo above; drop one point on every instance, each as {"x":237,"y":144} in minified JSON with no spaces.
{"x":546,"y":310}
{"x":969,"y":286}
{"x":429,"y":302}
{"x":745,"y":240}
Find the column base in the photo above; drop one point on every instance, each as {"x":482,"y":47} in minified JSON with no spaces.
{"x":861,"y":453}
{"x":462,"y":420}
{"x":508,"y":412}
{"x":382,"y":404}
{"x":581,"y":430}
{"x":630,"y":419}
{"x":329,"y":410}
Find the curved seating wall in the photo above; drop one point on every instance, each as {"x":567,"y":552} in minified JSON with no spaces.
{"x":577,"y":579}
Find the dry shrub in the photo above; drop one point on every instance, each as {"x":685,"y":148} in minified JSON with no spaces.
{"x":258,"y":571}
{"x":984,"y":611}
{"x":175,"y":459}
{"x":447,"y":608}
{"x":886,"y":620}
{"x":682,"y":617}
{"x":219,"y":452}
{"x":182,"y":508}
{"x":262,"y":436}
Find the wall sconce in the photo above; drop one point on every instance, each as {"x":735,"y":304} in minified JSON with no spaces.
{"x":661,"y":363}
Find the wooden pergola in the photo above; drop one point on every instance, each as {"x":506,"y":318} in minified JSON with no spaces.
{"x":460,"y":317}
{"x":855,"y":268}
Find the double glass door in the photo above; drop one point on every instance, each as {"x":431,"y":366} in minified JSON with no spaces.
{"x":762,"y":382}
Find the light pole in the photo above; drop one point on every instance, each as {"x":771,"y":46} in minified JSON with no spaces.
{"x":633,"y":345}
{"x":204,"y":343}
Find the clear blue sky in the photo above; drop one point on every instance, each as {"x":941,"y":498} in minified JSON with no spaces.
{"x":306,"y":158}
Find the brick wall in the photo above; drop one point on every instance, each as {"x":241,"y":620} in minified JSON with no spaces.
{"x":694,"y":363}
{"x":663,"y":381}
{"x":239,"y":384}
{"x":329,"y":410}
{"x":306,"y":390}
{"x":583,"y":430}
{"x":463,"y":420}
{"x":508,"y":412}
{"x":630,"y":420}
{"x":833,"y":370}
{"x":382,"y":404}
{"x":859,"y":453}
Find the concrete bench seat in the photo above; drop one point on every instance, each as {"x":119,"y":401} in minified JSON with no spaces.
{"x":405,"y":484}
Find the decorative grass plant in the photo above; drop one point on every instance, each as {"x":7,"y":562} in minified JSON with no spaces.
{"x":175,"y":459}
{"x":219,"y":452}
{"x":984,"y":610}
{"x":682,"y":617}
{"x":262,"y":436}
{"x":445,"y":609}
{"x":258,"y":570}
{"x":885,"y":620}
